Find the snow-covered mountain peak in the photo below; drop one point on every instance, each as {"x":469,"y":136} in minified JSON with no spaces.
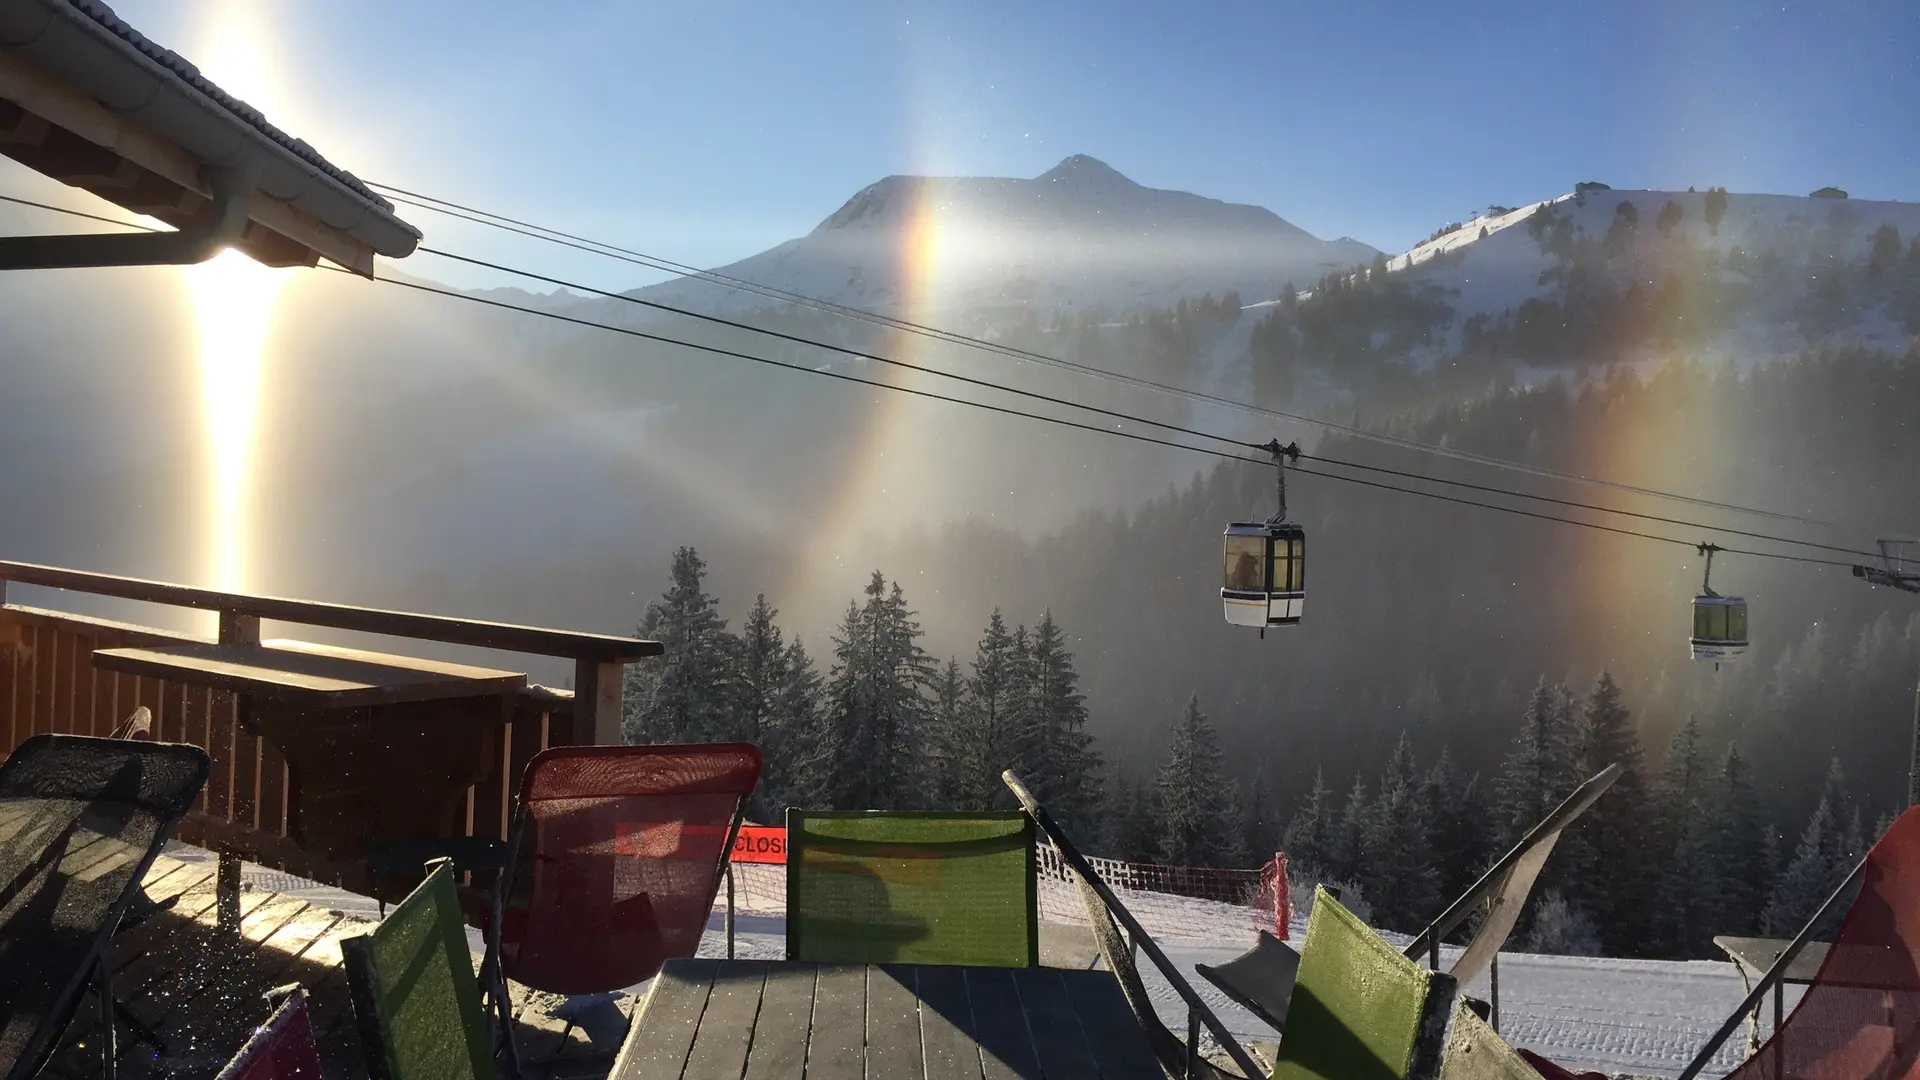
{"x":1085,"y":171}
{"x":1080,"y":235}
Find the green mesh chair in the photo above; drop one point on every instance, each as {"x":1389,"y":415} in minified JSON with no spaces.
{"x":415,"y":998}
{"x":912,"y":888}
{"x":1360,"y":1010}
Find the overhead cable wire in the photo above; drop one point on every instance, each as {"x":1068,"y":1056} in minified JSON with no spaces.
{"x":861,"y":354}
{"x":1061,"y":421}
{"x":546,"y":234}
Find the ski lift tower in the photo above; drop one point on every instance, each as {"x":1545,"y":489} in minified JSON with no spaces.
{"x":1900,"y":569}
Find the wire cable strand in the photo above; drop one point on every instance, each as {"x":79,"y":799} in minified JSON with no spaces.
{"x":546,"y":234}
{"x":1059,"y":421}
{"x":1111,"y":413}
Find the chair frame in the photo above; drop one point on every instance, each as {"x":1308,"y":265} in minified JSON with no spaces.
{"x":1426,"y":945}
{"x":1198,"y":1013}
{"x":1773,"y":976}
{"x":95,"y":972}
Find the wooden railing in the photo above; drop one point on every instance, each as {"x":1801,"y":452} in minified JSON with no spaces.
{"x":48,"y":684}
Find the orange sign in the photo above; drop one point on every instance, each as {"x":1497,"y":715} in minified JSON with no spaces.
{"x":761,"y":844}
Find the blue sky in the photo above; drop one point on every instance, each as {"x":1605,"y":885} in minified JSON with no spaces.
{"x":706,"y":132}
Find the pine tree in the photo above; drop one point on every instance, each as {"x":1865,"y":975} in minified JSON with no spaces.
{"x":1194,"y":795}
{"x":1619,"y":879}
{"x":1539,"y":769}
{"x":1352,"y":862}
{"x":688,"y":694}
{"x":1064,"y":766}
{"x":1309,"y":841}
{"x":1401,"y":882}
{"x":763,"y":656}
{"x":1716,"y":208}
{"x":946,"y":741}
{"x":1262,"y":828}
{"x":785,"y":777}
{"x":1135,"y":822}
{"x":1808,"y":879}
{"x":992,"y":738}
{"x":1689,"y":888}
{"x":1739,"y":848}
{"x":1682,"y":780}
{"x":1670,"y":216}
{"x":762,"y":680}
{"x":877,"y":706}
{"x":1462,"y":845}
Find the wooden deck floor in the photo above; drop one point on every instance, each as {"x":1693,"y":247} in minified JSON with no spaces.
{"x":200,"y":988}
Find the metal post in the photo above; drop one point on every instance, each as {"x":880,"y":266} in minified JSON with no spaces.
{"x":1193,"y":1043}
{"x":1493,"y":972}
{"x":729,"y":909}
{"x":226,"y":893}
{"x":103,"y":986}
{"x":1913,"y":759}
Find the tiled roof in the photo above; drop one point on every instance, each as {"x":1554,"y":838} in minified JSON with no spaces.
{"x":104,"y":15}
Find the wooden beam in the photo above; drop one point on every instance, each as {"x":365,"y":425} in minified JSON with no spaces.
{"x":597,"y":693}
{"x":507,"y":637}
{"x":238,"y":629}
{"x":60,"y":104}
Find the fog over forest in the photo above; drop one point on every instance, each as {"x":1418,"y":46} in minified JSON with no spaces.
{"x":418,"y":452}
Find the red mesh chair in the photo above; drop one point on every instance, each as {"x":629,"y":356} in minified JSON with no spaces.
{"x":1860,"y":1017}
{"x":615,"y":857}
{"x":283,"y":1047}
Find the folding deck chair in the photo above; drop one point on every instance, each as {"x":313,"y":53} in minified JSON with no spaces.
{"x":1360,"y":1010}
{"x":1860,"y":1017}
{"x":415,"y":999}
{"x":1262,"y":979}
{"x":81,"y":821}
{"x":283,"y":1047}
{"x":1103,"y":908}
{"x":614,"y":859}
{"x":912,"y":888}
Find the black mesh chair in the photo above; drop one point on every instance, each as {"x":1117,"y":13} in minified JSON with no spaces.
{"x":81,"y":821}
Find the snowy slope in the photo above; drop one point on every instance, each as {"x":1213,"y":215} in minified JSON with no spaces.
{"x":1497,"y":272}
{"x":1079,"y":236}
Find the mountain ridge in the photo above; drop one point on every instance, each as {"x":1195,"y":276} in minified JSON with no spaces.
{"x":1080,"y":236}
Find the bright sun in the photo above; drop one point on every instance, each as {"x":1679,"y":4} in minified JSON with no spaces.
{"x":233,"y":301}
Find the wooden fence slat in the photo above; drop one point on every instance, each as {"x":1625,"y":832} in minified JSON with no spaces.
{"x":46,"y":658}
{"x":60,"y":714}
{"x":245,"y":750}
{"x":214,"y":796}
{"x":9,"y":660}
{"x":103,"y":688}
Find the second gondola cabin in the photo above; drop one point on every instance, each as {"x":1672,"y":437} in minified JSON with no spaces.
{"x":1265,"y":580}
{"x":1719,"y":627}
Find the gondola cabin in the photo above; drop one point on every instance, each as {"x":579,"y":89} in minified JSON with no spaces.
{"x":1719,"y":627}
{"x":1265,"y":581}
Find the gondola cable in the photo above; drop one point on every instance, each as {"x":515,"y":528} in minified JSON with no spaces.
{"x":860,"y":354}
{"x":1058,"y":421}
{"x":613,"y":251}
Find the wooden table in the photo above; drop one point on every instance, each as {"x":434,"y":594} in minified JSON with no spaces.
{"x":762,"y":1020}
{"x":1755,"y":957}
{"x":378,"y":747}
